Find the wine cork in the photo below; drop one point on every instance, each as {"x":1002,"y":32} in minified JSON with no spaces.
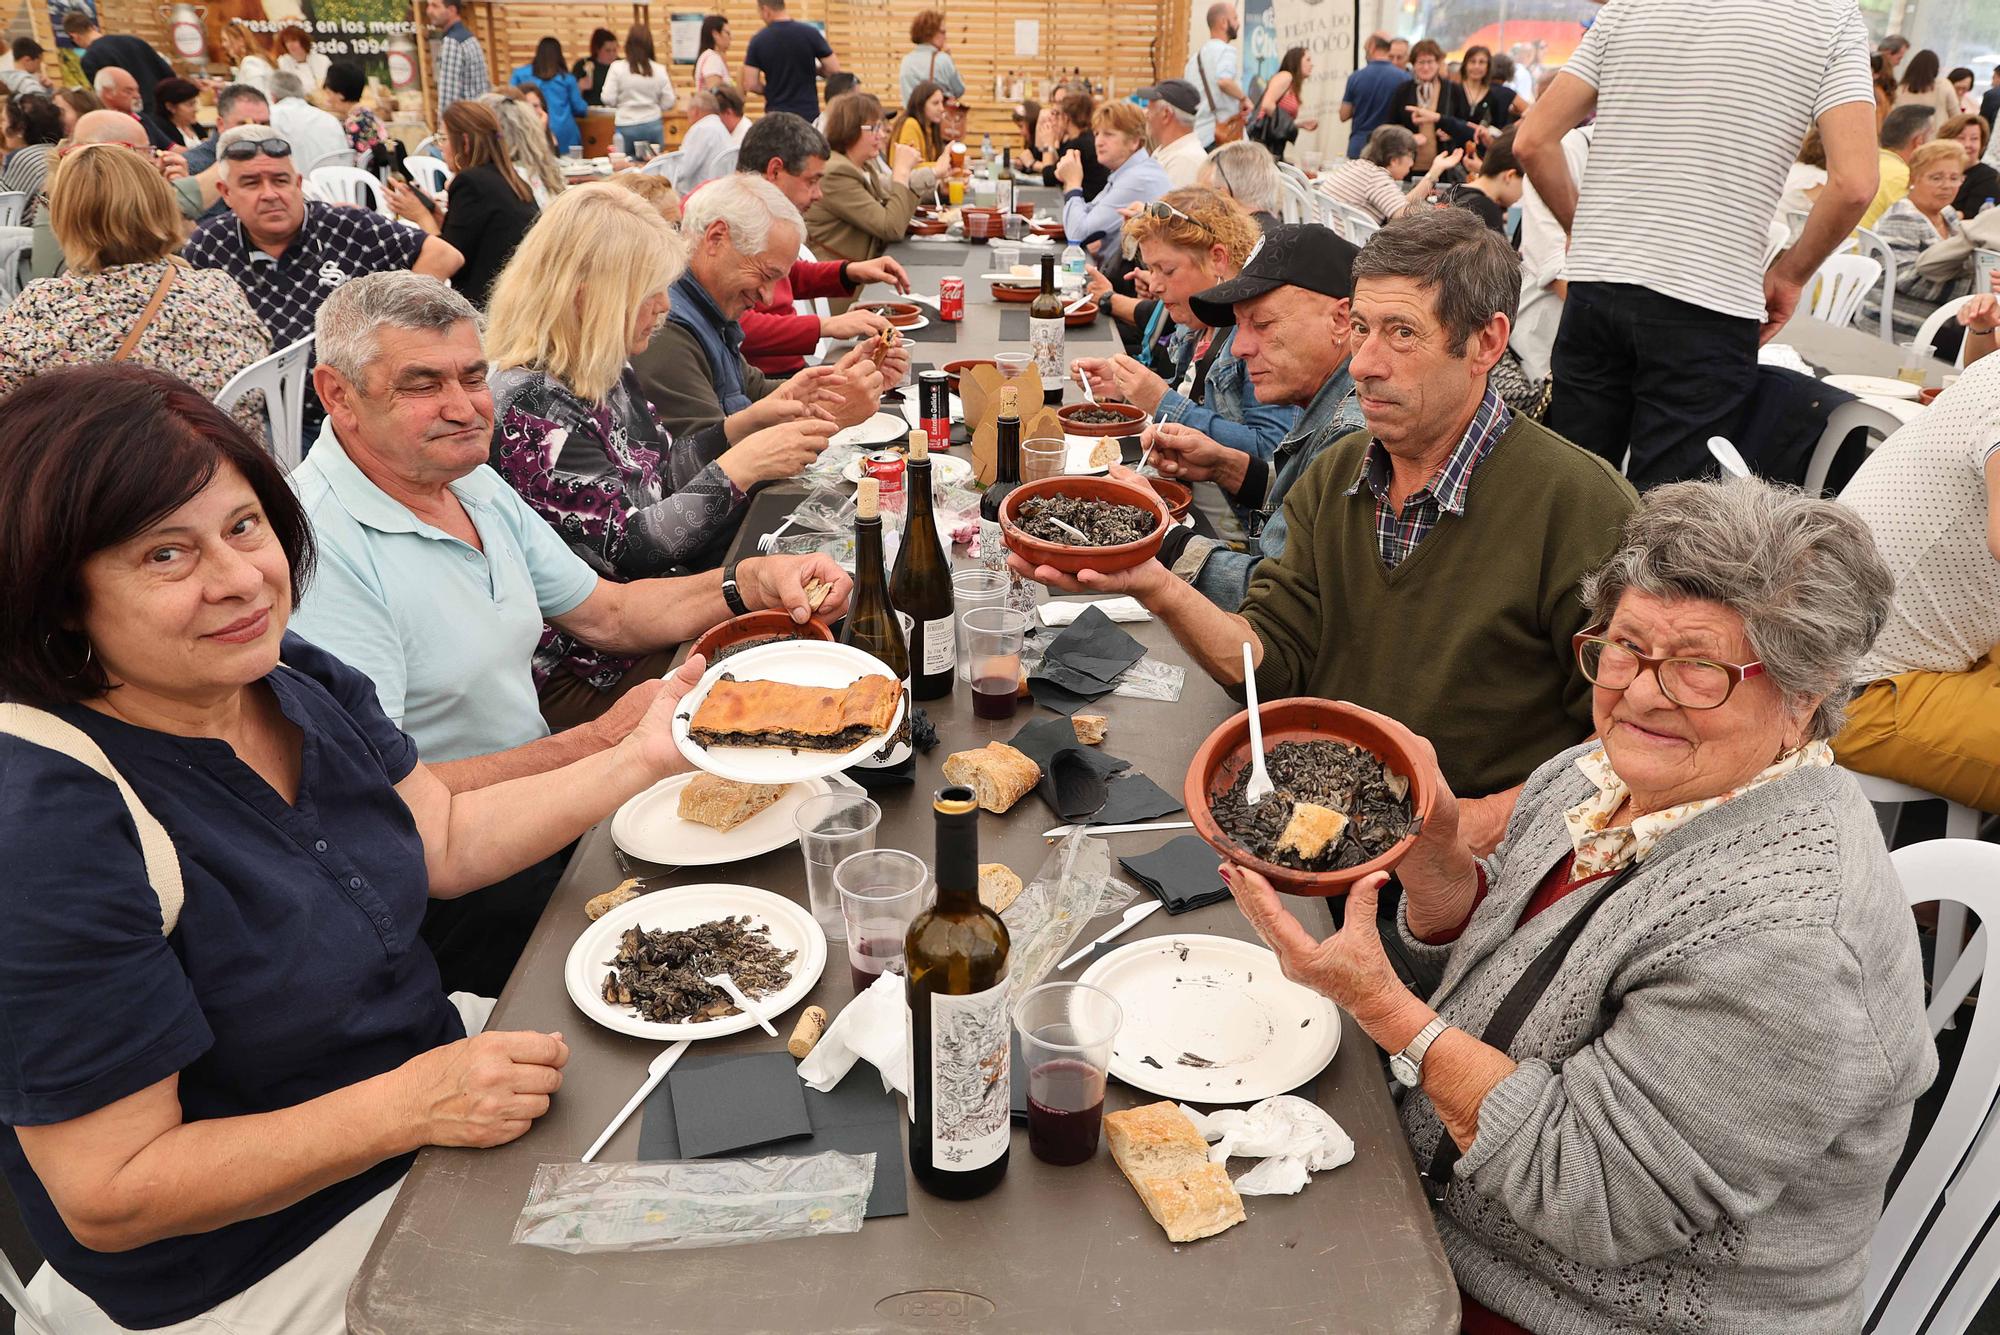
{"x":1010,"y":401}
{"x":868,"y":499}
{"x":920,"y":446}
{"x":812,"y":1023}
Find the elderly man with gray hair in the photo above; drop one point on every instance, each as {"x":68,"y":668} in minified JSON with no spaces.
{"x":436,"y":579}
{"x":1171,"y":108}
{"x":1248,"y":174}
{"x":318,"y":138}
{"x":743,"y":238}
{"x":1432,"y":560}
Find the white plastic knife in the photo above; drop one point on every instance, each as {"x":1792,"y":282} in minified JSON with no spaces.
{"x":1135,"y":915}
{"x":654,"y":1074}
{"x":1063,"y":831}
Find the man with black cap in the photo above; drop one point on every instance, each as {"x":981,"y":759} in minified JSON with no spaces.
{"x":1171,"y":108}
{"x":1431,"y":562}
{"x":1296,"y":284}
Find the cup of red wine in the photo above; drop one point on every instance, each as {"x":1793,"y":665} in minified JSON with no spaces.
{"x":992,"y":638}
{"x":1066,"y":1035}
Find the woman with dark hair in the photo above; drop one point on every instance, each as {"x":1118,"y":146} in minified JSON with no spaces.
{"x":1283,"y":94}
{"x":1961,"y":80}
{"x":1883,"y":74}
{"x":179,"y":102}
{"x":220,"y":817}
{"x":711,"y":65}
{"x":1430,"y":107}
{"x":1492,"y":102}
{"x":33,"y":128}
{"x":1921,"y":86}
{"x":921,"y":122}
{"x":296,"y":56}
{"x":548,"y":74}
{"x":345,"y":85}
{"x":72,"y":103}
{"x":590,"y":71}
{"x":1070,"y":131}
{"x":638,"y":91}
{"x":490,"y":207}
{"x":862,"y":209}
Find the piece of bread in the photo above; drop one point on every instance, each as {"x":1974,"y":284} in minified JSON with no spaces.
{"x":624,"y":893}
{"x":724,"y":804}
{"x":1311,"y":830}
{"x":1166,"y":1161}
{"x":998,"y":775}
{"x":998,"y":886}
{"x":1106,"y":452}
{"x":1089,"y":728}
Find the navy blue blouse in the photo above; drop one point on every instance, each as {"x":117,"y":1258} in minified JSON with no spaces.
{"x":296,"y":968}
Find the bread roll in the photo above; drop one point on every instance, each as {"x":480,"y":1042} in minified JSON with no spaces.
{"x":1166,"y":1161}
{"x":998,"y":775}
{"x":1090,"y":728}
{"x":998,"y":886}
{"x":724,"y":804}
{"x":1311,"y":830}
{"x":623,"y":893}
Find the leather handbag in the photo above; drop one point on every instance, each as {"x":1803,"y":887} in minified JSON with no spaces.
{"x":952,"y":129}
{"x":1226,"y":131}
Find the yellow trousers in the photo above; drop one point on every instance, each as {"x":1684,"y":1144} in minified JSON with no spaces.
{"x":1938,"y":731}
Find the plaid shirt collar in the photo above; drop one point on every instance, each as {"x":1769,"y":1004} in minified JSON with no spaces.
{"x":1398,"y":535}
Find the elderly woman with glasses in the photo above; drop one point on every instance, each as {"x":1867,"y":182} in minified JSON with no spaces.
{"x":1667,"y":1037}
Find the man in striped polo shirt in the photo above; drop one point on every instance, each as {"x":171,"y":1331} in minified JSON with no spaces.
{"x":1668,"y":294}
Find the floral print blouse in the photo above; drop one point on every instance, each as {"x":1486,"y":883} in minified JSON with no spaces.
{"x":624,"y":494}
{"x":205,"y":331}
{"x":1600,"y":849}
{"x":364,"y":132}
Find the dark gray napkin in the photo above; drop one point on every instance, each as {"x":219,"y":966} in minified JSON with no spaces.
{"x":1074,"y":776}
{"x":1181,"y":872}
{"x":1088,"y":657}
{"x":939,"y":330}
{"x":1134,"y":797}
{"x":737,"y":1103}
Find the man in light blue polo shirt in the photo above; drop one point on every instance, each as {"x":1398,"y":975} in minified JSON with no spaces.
{"x":435,"y":578}
{"x":1364,"y":103}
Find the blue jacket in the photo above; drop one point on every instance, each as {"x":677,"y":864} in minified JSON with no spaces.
{"x":1228,"y":413}
{"x":721,"y":340}
{"x":563,"y":99}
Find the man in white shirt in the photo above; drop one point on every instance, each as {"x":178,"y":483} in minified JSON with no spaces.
{"x":1217,"y":70}
{"x":1668,"y":294}
{"x":717,"y":132}
{"x":1171,"y":107}
{"x":1544,"y":245}
{"x":317,"y":137}
{"x":1931,"y":495}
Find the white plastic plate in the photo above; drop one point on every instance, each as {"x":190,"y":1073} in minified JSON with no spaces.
{"x":802,"y":663}
{"x":650,"y":828}
{"x":1874,"y":386}
{"x":678,"y":908}
{"x":879,"y":430}
{"x":1209,"y":1019}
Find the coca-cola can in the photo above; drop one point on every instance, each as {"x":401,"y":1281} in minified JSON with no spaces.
{"x":886,"y":467}
{"x":951,"y":298}
{"x":934,"y":408}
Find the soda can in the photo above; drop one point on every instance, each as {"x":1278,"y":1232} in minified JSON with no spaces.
{"x":951,"y":298}
{"x":886,"y":467}
{"x":934,"y":408}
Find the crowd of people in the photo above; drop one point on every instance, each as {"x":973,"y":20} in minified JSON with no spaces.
{"x":1454,"y":460}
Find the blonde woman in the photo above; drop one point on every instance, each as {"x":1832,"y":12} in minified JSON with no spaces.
{"x":527,"y":141}
{"x":114,"y":216}
{"x":574,"y":435}
{"x":248,"y":55}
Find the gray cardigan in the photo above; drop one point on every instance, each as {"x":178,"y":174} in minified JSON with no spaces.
{"x":1712,"y":1093}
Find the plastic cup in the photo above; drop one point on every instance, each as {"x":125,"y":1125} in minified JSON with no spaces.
{"x":992,"y":637}
{"x":831,"y":827}
{"x":1011,"y":364}
{"x":1066,"y":1033}
{"x":1005,"y":256}
{"x":970,"y":591}
{"x":881,"y":893}
{"x":574,"y":153}
{"x":954,"y":192}
{"x":1043,"y":457}
{"x":1916,"y":363}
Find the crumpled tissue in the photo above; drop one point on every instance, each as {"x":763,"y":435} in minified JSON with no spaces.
{"x":875,"y":1027}
{"x":1295,"y":1139}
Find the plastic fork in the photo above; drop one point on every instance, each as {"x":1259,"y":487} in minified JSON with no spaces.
{"x":1259,"y":786}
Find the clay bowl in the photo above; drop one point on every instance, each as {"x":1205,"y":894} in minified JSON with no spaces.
{"x":901,"y":314}
{"x":1025,"y":207}
{"x":1179,"y":496}
{"x":1132,"y":420}
{"x":1083,"y":315}
{"x":981,"y":224}
{"x":927,"y":227}
{"x":1068,"y":557}
{"x":755,"y":628}
{"x":953,"y":370}
{"x":1226,"y":752}
{"x":1049,"y":227}
{"x":1019,"y":294}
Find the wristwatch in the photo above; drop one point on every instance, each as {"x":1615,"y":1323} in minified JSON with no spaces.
{"x":1408,"y":1065}
{"x":730,"y":593}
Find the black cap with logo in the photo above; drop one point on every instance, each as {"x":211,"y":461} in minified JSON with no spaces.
{"x":1305,"y":255}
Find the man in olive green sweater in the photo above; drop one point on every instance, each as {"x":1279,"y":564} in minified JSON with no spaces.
{"x":1432,"y":561}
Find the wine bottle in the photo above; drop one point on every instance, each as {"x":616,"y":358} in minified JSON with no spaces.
{"x":1003,"y":183}
{"x":921,"y":585}
{"x":1021,"y":593}
{"x":1045,"y":334}
{"x":955,"y":960}
{"x":871,"y":626}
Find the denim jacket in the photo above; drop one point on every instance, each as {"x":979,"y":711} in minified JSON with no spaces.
{"x":1228,"y":413}
{"x":1221,"y":574}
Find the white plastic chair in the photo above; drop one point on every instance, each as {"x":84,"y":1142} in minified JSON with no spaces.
{"x":1865,"y":242}
{"x":282,"y":378}
{"x":725,"y":162}
{"x":13,"y":207}
{"x":351,"y":185}
{"x":1942,"y":316}
{"x":1841,"y":285}
{"x":1357,"y":225}
{"x":17,"y":248}
{"x":429,"y":174}
{"x":1295,"y":200}
{"x":340,"y":157}
{"x":1777,"y":237}
{"x":1966,"y":873}
{"x":28,"y":1319}
{"x":1960,"y":822}
{"x":1880,"y":421}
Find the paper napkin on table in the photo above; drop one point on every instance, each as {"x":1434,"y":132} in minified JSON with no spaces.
{"x":1293,"y":1136}
{"x":874,"y":1028}
{"x":1118,"y":609}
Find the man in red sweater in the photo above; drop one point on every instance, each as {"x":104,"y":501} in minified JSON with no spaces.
{"x":789,"y":153}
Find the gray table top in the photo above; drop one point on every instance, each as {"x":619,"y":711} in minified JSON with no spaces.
{"x":1051,"y":1249}
{"x":1845,"y":350}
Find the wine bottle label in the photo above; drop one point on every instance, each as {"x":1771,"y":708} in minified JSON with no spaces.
{"x":897,"y":749}
{"x":970,"y":1117}
{"x":1045,"y":340}
{"x":940,"y":648}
